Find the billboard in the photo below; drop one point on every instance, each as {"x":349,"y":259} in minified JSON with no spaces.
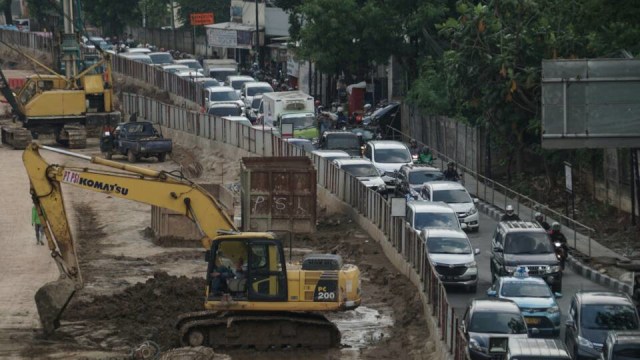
{"x":592,"y":103}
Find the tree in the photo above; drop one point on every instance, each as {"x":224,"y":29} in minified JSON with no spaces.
{"x":220,"y":9}
{"x":113,"y":15}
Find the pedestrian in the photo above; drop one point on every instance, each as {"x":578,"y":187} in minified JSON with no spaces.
{"x":35,"y":222}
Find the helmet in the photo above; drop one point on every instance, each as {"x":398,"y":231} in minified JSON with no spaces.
{"x":413,"y":142}
{"x":509,"y":209}
{"x":340,"y":109}
{"x":555,"y":226}
{"x":538,"y":216}
{"x":450,"y":164}
{"x":367,"y":106}
{"x":320,"y":108}
{"x":317,"y":102}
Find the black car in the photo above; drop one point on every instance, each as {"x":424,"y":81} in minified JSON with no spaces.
{"x":592,"y":314}
{"x":342,"y":140}
{"x":527,"y":244}
{"x":491,"y":318}
{"x":621,"y":345}
{"x":413,"y":177}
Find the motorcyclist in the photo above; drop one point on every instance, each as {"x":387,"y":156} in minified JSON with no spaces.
{"x":342,"y":118}
{"x":540,"y":220}
{"x":509,"y":214}
{"x":425,"y":157}
{"x":414,"y":149}
{"x":451,"y":174}
{"x":557,"y":236}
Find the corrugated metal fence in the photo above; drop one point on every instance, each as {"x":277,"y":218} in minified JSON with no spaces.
{"x":369,"y":203}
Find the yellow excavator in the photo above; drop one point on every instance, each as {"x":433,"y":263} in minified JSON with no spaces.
{"x":266,"y":302}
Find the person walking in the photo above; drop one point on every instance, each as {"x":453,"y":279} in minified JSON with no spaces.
{"x":35,"y":222}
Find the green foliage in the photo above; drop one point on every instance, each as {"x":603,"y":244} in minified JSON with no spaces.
{"x":113,"y":15}
{"x":220,"y":9}
{"x":157,"y":12}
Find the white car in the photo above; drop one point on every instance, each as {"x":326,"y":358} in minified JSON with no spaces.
{"x":174,"y":68}
{"x":457,"y":197}
{"x":453,"y":257}
{"x":238,"y":119}
{"x":421,"y":215}
{"x":364,"y":171}
{"x":138,"y":50}
{"x":331,"y":155}
{"x":161,"y":58}
{"x":236,"y":82}
{"x":192,"y":64}
{"x":222,"y":94}
{"x":206,"y":82}
{"x":252,"y":89}
{"x":388,"y":156}
{"x":138,"y":57}
{"x":225,"y":109}
{"x":221,"y":74}
{"x":189,"y":74}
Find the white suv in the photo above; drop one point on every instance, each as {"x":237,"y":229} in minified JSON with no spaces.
{"x":423,"y":215}
{"x":364,"y":170}
{"x":388,"y":156}
{"x":453,"y":257}
{"x":222,"y":94}
{"x":456,"y":196}
{"x":254,"y":88}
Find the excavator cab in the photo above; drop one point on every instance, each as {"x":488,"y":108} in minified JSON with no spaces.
{"x":247,"y":269}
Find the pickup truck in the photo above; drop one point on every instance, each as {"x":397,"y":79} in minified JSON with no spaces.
{"x":135,"y":140}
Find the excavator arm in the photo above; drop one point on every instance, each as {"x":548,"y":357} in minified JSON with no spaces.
{"x":163,"y":189}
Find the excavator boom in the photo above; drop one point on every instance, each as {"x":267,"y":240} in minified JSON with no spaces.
{"x":163,"y":189}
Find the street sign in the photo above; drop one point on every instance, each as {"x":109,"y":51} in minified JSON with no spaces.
{"x":201,"y":19}
{"x":567,"y":177}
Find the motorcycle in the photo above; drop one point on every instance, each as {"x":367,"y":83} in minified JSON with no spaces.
{"x":561,"y":253}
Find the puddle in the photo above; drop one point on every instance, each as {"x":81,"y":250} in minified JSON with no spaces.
{"x":362,"y":327}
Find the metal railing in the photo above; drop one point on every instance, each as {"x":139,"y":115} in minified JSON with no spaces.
{"x":500,"y":195}
{"x":368,"y":203}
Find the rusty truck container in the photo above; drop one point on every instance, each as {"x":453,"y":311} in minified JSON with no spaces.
{"x":278,"y":194}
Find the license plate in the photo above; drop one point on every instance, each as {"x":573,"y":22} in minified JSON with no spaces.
{"x":532,"y":321}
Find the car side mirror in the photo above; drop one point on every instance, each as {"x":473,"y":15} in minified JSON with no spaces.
{"x":476,"y":200}
{"x":381,"y":172}
{"x":492,"y":293}
{"x":497,"y":249}
{"x":557,"y":295}
{"x":570,"y":324}
{"x":476,"y":252}
{"x":207,"y":256}
{"x":242,"y":97}
{"x":464,"y":226}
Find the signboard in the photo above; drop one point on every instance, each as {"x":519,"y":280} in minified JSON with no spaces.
{"x":567,"y":177}
{"x":398,"y":207}
{"x":222,"y":38}
{"x":201,"y":19}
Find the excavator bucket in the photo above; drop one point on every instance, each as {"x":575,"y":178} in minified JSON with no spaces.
{"x":51,"y":300}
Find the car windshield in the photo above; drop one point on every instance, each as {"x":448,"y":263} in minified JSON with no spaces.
{"x":343,"y":141}
{"x":224,"y":96}
{"x":192,"y":64}
{"x":210,"y":83}
{"x":497,"y":323}
{"x":253,"y":91}
{"x":361,"y":170}
{"x":527,"y":243}
{"x":391,"y":156}
{"x":140,"y":129}
{"x":301,"y":121}
{"x":220,"y":75}
{"x":626,"y":352}
{"x":237,"y":84}
{"x":448,"y":245}
{"x":144,"y":60}
{"x":436,"y":220}
{"x":517,"y":289}
{"x":255,"y":103}
{"x":306,"y":145}
{"x":225,"y":111}
{"x":419,"y":177}
{"x":609,"y":317}
{"x":161,"y":58}
{"x":452,"y":196}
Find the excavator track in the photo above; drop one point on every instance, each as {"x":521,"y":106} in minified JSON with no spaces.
{"x":73,"y":136}
{"x":16,"y":137}
{"x":261,"y":330}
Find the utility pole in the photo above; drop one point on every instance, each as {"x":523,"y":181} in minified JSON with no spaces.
{"x":257,"y":38}
{"x":173,"y":24}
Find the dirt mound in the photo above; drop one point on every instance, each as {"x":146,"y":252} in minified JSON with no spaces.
{"x":189,"y":164}
{"x":145,"y":311}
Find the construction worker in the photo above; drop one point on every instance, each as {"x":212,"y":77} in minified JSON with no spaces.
{"x":35,"y":222}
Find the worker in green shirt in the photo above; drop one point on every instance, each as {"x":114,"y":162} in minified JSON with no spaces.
{"x":35,"y":222}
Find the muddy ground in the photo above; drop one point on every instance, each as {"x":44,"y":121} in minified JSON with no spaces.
{"x":134,"y":289}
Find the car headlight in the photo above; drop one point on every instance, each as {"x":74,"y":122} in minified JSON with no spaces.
{"x":553,"y":310}
{"x":472,"y":211}
{"x":554,"y":268}
{"x":471,"y":264}
{"x":474,"y":345}
{"x":585,"y":342}
{"x":510,"y":269}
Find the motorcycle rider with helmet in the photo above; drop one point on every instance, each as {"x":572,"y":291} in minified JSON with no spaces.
{"x":451,"y":174}
{"x":560,"y":242}
{"x":540,"y":220}
{"x":414,"y":149}
{"x":509,"y":214}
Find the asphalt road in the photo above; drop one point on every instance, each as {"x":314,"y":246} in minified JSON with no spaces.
{"x":571,"y":282}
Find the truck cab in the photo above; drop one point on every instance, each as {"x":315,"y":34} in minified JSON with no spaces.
{"x":135,"y":139}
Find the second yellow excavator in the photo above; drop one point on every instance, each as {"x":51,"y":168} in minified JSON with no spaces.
{"x":264,"y":302}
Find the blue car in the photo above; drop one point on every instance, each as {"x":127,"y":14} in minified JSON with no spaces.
{"x":534,"y":298}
